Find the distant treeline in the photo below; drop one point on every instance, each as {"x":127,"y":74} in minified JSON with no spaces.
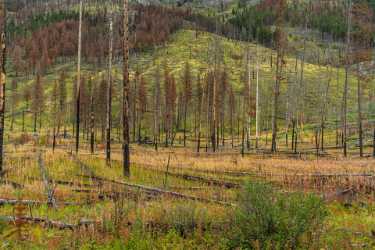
{"x":255,"y":21}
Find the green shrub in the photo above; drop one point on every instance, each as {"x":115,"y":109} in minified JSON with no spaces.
{"x":266,"y":219}
{"x":186,"y":218}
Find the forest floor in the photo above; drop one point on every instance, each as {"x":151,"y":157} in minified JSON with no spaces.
{"x":174,"y":199}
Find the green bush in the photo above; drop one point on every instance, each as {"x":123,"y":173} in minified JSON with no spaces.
{"x":186,"y":218}
{"x":266,"y":219}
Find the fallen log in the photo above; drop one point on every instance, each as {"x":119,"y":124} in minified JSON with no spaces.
{"x":209,"y":181}
{"x":48,"y":223}
{"x":113,"y":195}
{"x":33,"y":202}
{"x":65,"y":183}
{"x":156,"y":191}
{"x":15,"y":185}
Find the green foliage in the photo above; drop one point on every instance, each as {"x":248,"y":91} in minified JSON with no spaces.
{"x":267,"y":219}
{"x":330,"y":22}
{"x":185,"y":219}
{"x":253,"y":23}
{"x":39,"y":21}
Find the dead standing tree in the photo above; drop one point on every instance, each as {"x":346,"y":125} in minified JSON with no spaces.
{"x":109,"y":91}
{"x":280,"y":42}
{"x":78,"y":97}
{"x":2,"y":78}
{"x":125,"y":89}
{"x":346,"y":84}
{"x":187,"y":94}
{"x":157,"y":101}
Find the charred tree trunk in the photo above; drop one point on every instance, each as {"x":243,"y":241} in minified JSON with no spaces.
{"x":200,"y":102}
{"x":360,"y":129}
{"x":78,"y":97}
{"x":92,"y":122}
{"x":213,"y":122}
{"x":280,"y":41}
{"x":125,"y":115}
{"x":157,"y":110}
{"x":346,"y":84}
{"x":109,"y":93}
{"x":2,"y":79}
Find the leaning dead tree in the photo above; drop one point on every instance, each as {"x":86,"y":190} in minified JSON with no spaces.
{"x":2,"y":79}
{"x":125,"y":89}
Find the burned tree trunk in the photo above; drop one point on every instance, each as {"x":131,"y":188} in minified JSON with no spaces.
{"x":201,"y":93}
{"x":78,"y":97}
{"x":157,"y":109}
{"x":2,"y":78}
{"x":92,"y":119}
{"x":346,"y":84}
{"x":125,"y":101}
{"x":280,"y":41}
{"x":109,"y":94}
{"x":360,"y":129}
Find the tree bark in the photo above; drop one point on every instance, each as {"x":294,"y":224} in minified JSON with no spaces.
{"x":2,"y":78}
{"x":346,"y":84}
{"x":257,"y":112}
{"x":78,"y":97}
{"x":109,"y":92}
{"x":360,"y":129}
{"x":125,"y":114}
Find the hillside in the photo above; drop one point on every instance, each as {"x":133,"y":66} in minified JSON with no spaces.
{"x":184,"y":47}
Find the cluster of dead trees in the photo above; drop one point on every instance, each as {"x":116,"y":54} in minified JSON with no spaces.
{"x":204,"y":110}
{"x":57,"y":42}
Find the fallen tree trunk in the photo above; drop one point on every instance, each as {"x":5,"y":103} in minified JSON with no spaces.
{"x":33,"y":202}
{"x":48,"y":223}
{"x":159,"y":191}
{"x":208,"y":181}
{"x":66,"y":183}
{"x":15,"y":185}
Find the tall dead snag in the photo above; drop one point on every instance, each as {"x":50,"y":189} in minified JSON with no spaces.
{"x":257,"y":107}
{"x":280,"y":42}
{"x":362,"y":42}
{"x":232,"y":112}
{"x":346,"y":84}
{"x":125,"y":96}
{"x":213,"y":111}
{"x":187,"y":93}
{"x":62,"y":103}
{"x":142,"y":105}
{"x":78,"y":97}
{"x":221,"y":97}
{"x":37,"y":104}
{"x":200,"y":98}
{"x":109,"y":92}
{"x":92,"y":116}
{"x":2,"y":79}
{"x":170,"y":107}
{"x":157,"y":108}
{"x":360,"y":127}
{"x":248,"y":99}
{"x":14,"y":101}
{"x":54,"y":101}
